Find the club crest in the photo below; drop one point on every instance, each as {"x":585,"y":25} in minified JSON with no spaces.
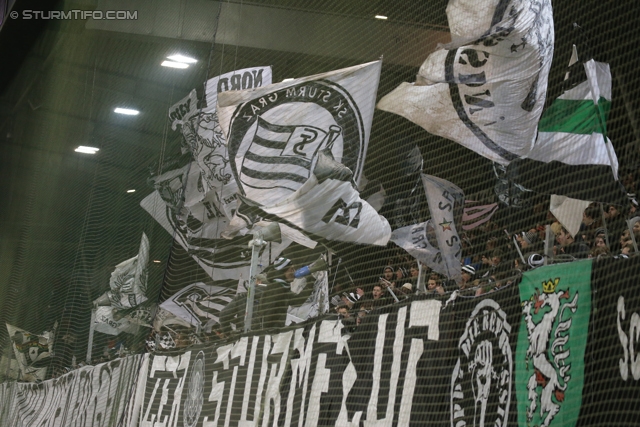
{"x":274,"y":140}
{"x":195,"y":392}
{"x":548,"y":319}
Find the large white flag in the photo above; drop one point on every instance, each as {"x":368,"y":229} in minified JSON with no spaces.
{"x":297,"y":148}
{"x":486,"y":89}
{"x":33,"y":352}
{"x":568,"y":212}
{"x":316,"y":305}
{"x":573,"y":156}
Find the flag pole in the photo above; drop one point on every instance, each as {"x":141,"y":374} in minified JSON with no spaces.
{"x":548,"y":244}
{"x":632,"y":236}
{"x":604,"y":224}
{"x":91,"y":329}
{"x":256,"y":244}
{"x":420,"y":283}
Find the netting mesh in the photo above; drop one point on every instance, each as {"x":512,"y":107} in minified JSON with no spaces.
{"x":68,"y":219}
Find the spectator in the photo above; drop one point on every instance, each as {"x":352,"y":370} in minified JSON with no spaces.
{"x":434,"y":285}
{"x":365,"y":308}
{"x":591,"y":220}
{"x":635,"y":226}
{"x":569,"y":246}
{"x":377,"y":292}
{"x":343,"y":311}
{"x":468,"y":274}
{"x":599,"y":251}
{"x":388,"y":277}
{"x":600,"y":242}
{"x":616,"y":224}
{"x":349,"y":299}
{"x":414,"y":271}
{"x":527,"y":239}
{"x":627,"y":248}
{"x":401,"y":275}
{"x":405,"y":290}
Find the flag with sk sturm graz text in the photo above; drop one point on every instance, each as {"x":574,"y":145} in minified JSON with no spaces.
{"x":556,"y":305}
{"x":486,"y":89}
{"x":297,"y":150}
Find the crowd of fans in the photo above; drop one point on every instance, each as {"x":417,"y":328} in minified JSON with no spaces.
{"x":493,"y":258}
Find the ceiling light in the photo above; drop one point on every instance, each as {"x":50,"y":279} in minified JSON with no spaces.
{"x":172,"y":64}
{"x":131,"y":191}
{"x":381,"y":17}
{"x":157,"y":261}
{"x":182,"y":58}
{"x":87,"y":150}
{"x":126,"y":111}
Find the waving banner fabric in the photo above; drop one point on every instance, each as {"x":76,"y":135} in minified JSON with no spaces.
{"x":486,"y":89}
{"x":297,"y":150}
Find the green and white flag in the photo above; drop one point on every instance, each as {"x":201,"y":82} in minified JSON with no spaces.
{"x":556,"y":305}
{"x":573,"y":156}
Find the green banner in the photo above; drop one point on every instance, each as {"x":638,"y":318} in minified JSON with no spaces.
{"x":556,"y":304}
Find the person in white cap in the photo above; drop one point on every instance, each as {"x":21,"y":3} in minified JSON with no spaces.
{"x":468,"y":280}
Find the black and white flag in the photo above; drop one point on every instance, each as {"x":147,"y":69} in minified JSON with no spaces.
{"x":198,"y":228}
{"x":419,"y":240}
{"x":33,"y":352}
{"x":486,"y":89}
{"x":205,"y":140}
{"x":435,"y":242}
{"x":128,"y":282}
{"x":112,"y":322}
{"x":297,"y":149}
{"x":199,"y":304}
{"x":446,"y":203}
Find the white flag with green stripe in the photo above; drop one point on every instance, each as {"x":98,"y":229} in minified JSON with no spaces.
{"x":573,"y":129}
{"x":573,"y":156}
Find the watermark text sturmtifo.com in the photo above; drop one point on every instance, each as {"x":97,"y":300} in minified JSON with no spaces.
{"x":76,"y":14}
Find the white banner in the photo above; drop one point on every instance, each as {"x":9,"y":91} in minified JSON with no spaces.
{"x":296,"y":146}
{"x":487,"y":88}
